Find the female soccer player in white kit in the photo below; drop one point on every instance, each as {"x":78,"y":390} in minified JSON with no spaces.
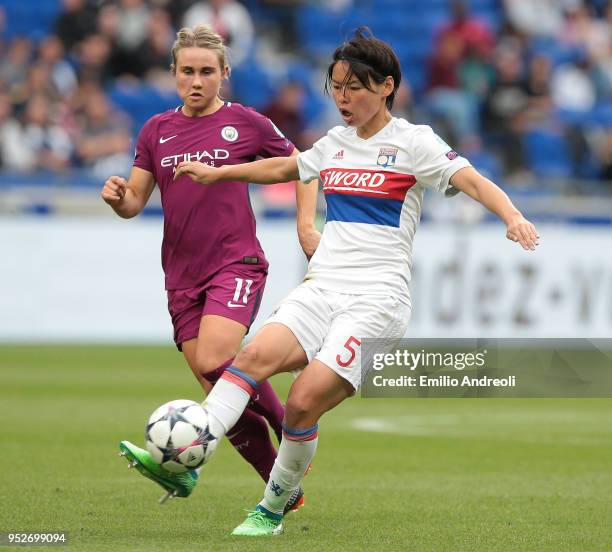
{"x":374,"y":172}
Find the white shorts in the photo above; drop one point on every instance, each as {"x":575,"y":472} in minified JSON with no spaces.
{"x":330,"y":325}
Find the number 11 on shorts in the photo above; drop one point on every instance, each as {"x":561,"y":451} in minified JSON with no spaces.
{"x":349,"y":346}
{"x":247,"y":289}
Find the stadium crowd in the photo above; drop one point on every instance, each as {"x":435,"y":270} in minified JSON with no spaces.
{"x":522,"y":88}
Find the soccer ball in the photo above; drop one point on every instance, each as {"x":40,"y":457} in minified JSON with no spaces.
{"x":179,"y":437}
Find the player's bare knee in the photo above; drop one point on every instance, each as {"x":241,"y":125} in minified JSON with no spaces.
{"x":300,"y":409}
{"x":247,"y":357}
{"x":251,"y":361}
{"x":207,"y":361}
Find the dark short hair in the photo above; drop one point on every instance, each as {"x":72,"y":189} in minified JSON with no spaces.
{"x":369,"y":59}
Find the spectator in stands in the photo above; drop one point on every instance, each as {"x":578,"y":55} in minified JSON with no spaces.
{"x":153,"y":52}
{"x":40,"y":83}
{"x":132,"y":30}
{"x":470,"y":33}
{"x":579,"y":28}
{"x":539,"y":107}
{"x":572,"y":87}
{"x":404,"y":105}
{"x":148,"y":55}
{"x":444,"y":63}
{"x":40,"y":143}
{"x":287,"y":112}
{"x":458,"y":73}
{"x":11,"y":152}
{"x":2,"y":25}
{"x":230,"y":19}
{"x":131,"y":33}
{"x":72,"y":117}
{"x":107,"y":22}
{"x":94,"y":57}
{"x":14,"y":65}
{"x":453,"y":109}
{"x":603,"y":151}
{"x":593,"y":38}
{"x":75,"y":23}
{"x":476,"y":73}
{"x":122,"y":62}
{"x":105,"y":139}
{"x":506,"y":103}
{"x":540,"y":18}
{"x":602,"y":57}
{"x":175,"y":8}
{"x":62,"y":74}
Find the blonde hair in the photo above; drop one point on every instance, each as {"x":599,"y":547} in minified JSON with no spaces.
{"x":202,"y":36}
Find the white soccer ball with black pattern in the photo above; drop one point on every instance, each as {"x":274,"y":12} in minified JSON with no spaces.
{"x":179,"y":436}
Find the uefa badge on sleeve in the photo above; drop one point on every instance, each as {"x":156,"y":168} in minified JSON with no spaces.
{"x":386,"y":157}
{"x":452,"y":155}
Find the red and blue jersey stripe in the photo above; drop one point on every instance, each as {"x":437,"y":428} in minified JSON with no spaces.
{"x":366,"y":196}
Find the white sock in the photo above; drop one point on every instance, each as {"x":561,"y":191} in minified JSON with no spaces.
{"x":227,"y":401}
{"x":291,"y":463}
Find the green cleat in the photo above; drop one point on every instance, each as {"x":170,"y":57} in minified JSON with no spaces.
{"x":258,"y":524}
{"x":175,"y":484}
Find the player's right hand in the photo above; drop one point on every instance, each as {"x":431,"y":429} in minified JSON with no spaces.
{"x":114,"y":190}
{"x":197,"y":171}
{"x":520,"y":230}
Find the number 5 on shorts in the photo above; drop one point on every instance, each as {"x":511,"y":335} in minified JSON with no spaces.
{"x":349,"y":347}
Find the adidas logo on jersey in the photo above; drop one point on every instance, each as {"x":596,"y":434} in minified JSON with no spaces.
{"x":339,"y":155}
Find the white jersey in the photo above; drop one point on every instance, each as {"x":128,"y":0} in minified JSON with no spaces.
{"x":374,"y":192}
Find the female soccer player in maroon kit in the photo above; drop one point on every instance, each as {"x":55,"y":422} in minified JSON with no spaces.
{"x":215,"y":269}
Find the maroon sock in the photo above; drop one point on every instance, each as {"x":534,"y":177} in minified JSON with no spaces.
{"x":264,"y":401}
{"x":251,"y":438}
{"x":215,"y":374}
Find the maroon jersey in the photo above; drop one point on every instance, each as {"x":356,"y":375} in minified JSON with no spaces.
{"x":206,"y":228}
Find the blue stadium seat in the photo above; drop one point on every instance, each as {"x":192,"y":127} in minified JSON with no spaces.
{"x":321,"y":30}
{"x":21,"y":20}
{"x":547,"y":153}
{"x":601,"y":115}
{"x":416,"y":75}
{"x":252,"y":86}
{"x":556,"y":52}
{"x":478,"y":5}
{"x":487,"y":164}
{"x":573,"y":118}
{"x":141,"y":101}
{"x":492,"y":17}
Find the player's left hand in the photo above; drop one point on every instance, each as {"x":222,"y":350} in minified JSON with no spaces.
{"x":520,"y":230}
{"x":309,"y":240}
{"x":198,"y":172}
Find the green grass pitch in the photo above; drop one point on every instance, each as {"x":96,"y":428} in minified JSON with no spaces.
{"x":421,"y":474}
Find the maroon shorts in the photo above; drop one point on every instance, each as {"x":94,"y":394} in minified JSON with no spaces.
{"x":234,"y":293}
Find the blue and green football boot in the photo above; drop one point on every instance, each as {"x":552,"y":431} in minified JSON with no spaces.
{"x":175,"y":484}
